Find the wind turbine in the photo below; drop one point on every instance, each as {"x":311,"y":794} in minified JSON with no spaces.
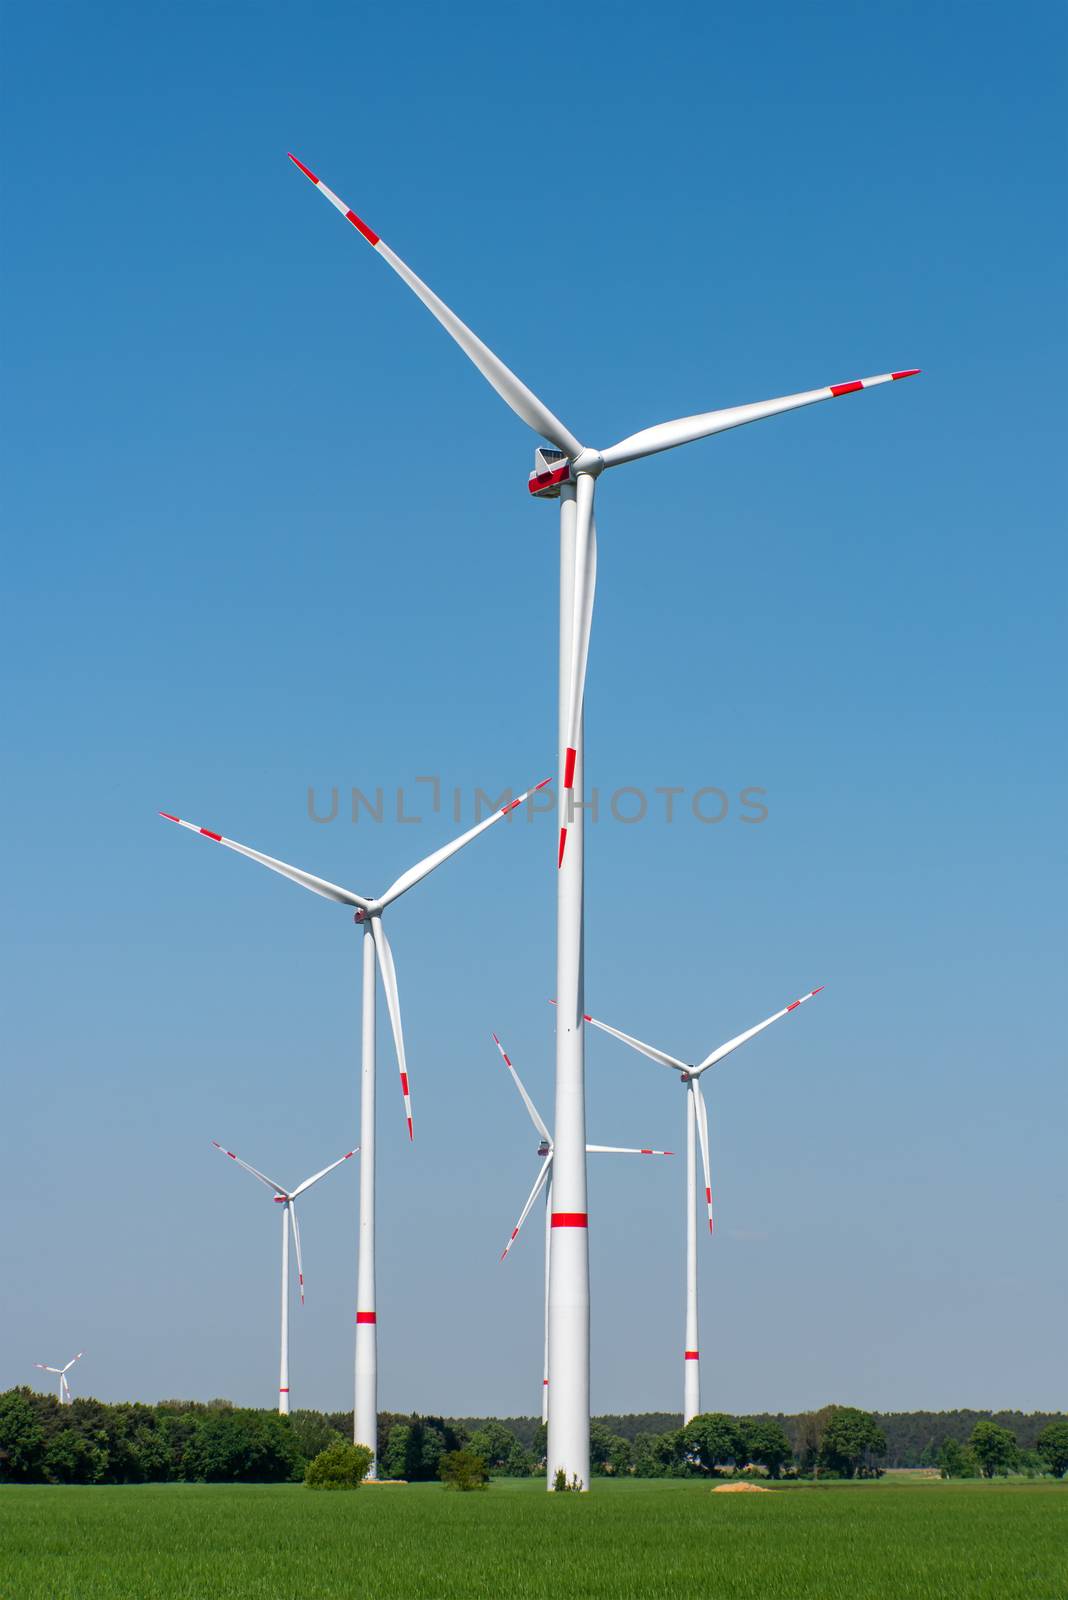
{"x":569,"y":471}
{"x":61,"y":1374}
{"x":285,"y":1198}
{"x":544,"y":1180}
{"x":368,"y":914}
{"x":696,"y":1122}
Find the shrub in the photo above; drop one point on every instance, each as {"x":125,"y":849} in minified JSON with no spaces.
{"x":1053,"y":1447}
{"x":463,"y":1469}
{"x":339,"y":1466}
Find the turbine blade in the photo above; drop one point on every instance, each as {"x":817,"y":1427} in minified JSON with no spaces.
{"x":307,"y":880}
{"x":702,"y":1134}
{"x":296,"y":1245}
{"x":511,"y":389}
{"x":666,"y":435}
{"x":317,"y":1175}
{"x":389,"y":984}
{"x":422,"y":869}
{"x":660,"y":1056}
{"x":277,"y":1187}
{"x":539,"y":1183}
{"x":42,"y":1368}
{"x":582,"y":620}
{"x":527,"y":1101}
{"x":750,"y":1033}
{"x":73,"y":1359}
{"x":623,"y":1150}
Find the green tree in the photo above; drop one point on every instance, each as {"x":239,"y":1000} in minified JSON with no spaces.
{"x":609,"y":1453}
{"x":956,"y":1461}
{"x":340,"y":1466}
{"x":994,"y":1448}
{"x":766,"y":1444}
{"x":494,"y":1443}
{"x":22,"y":1438}
{"x":713,"y":1439}
{"x":313,"y":1433}
{"x":463,"y":1469}
{"x":1052,"y":1446}
{"x":520,"y":1462}
{"x":70,"y":1458}
{"x":852,"y":1442}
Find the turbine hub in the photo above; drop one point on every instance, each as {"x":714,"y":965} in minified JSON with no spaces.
{"x":588,"y":461}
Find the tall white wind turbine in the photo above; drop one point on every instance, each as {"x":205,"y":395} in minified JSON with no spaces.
{"x":544,"y":1180}
{"x":569,"y":470}
{"x":286,"y":1199}
{"x":368,"y":913}
{"x":61,"y":1374}
{"x":696,"y":1125}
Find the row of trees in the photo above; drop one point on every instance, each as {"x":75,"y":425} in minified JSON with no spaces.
{"x":184,"y":1441}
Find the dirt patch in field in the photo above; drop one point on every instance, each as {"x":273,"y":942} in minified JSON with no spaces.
{"x":740,"y":1488}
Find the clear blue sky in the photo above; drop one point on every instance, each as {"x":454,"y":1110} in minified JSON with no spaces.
{"x":268,"y":530}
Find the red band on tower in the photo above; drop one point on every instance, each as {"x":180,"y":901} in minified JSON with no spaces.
{"x":569,"y":1219}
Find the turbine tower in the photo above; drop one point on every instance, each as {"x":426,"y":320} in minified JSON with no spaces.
{"x":368,"y":913}
{"x":286,"y":1198}
{"x":546,"y":1152}
{"x":61,"y":1374}
{"x":569,"y":471}
{"x":696,"y":1133}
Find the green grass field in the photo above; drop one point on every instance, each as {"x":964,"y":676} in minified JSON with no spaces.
{"x":901,"y":1541}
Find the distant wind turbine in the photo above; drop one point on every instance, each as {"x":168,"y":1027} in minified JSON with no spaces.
{"x":696,"y":1122}
{"x":285,"y":1198}
{"x":544,"y":1179}
{"x":61,"y":1374}
{"x":368,"y":914}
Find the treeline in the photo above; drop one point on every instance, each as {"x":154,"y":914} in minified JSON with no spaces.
{"x":913,"y":1438}
{"x":179,"y":1441}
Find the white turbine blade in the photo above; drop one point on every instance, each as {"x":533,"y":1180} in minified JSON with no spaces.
{"x":317,"y":1175}
{"x":702,"y":1134}
{"x":527,"y":1101}
{"x":422,"y":869}
{"x":750,"y":1033}
{"x":649,"y":1050}
{"x":531,"y":1197}
{"x":623,"y":1150}
{"x":64,"y":1387}
{"x":666,"y":435}
{"x":70,"y":1363}
{"x":296,"y":1245}
{"x":512,"y":391}
{"x":42,"y":1368}
{"x":307,"y":880}
{"x":389,"y":984}
{"x":277,"y":1187}
{"x":582,"y":620}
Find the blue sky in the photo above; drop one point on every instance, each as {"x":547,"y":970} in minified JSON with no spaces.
{"x":270,"y":532}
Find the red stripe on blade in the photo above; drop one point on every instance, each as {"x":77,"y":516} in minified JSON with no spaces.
{"x":542,"y":784}
{"x":209,"y":835}
{"x":357,"y":222}
{"x":509,"y":807}
{"x":168,"y":816}
{"x":846,"y":388}
{"x":366,"y":1316}
{"x":913,"y":372}
{"x":404,"y":1083}
{"x":306,"y":171}
{"x":794,"y":1006}
{"x":570,"y":1219}
{"x":569,"y":767}
{"x":560,"y":851}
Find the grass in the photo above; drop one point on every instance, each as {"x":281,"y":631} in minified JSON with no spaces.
{"x":901,"y":1541}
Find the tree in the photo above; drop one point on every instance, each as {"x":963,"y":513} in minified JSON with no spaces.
{"x":609,"y":1453}
{"x":70,"y":1458}
{"x":810,"y":1430}
{"x":1052,"y":1446}
{"x":520,"y":1462}
{"x":22,"y":1438}
{"x":463,"y":1469}
{"x":340,"y":1466}
{"x":766,"y":1444}
{"x":712,"y":1440}
{"x":994,"y":1448}
{"x":313,"y":1433}
{"x":852,"y":1442}
{"x":494,"y":1443}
